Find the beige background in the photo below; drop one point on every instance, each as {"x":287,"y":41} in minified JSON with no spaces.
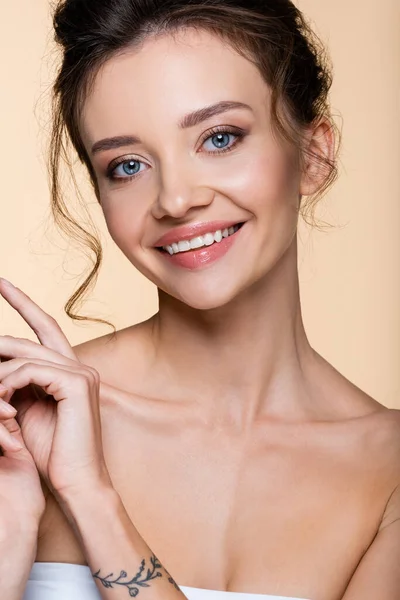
{"x":350,"y":276}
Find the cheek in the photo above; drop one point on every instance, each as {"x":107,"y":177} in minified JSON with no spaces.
{"x":124,"y":220}
{"x":276,"y":197}
{"x":265,"y":183}
{"x":268,"y":188}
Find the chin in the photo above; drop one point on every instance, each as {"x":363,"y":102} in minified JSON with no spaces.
{"x":209,"y":302}
{"x":204,"y":297}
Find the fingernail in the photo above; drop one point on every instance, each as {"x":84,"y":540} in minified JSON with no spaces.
{"x":7,"y":408}
{"x":6,"y":282}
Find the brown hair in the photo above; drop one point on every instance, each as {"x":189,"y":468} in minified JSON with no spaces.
{"x":273,"y":34}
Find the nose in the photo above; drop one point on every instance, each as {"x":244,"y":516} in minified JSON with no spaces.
{"x":178,"y":195}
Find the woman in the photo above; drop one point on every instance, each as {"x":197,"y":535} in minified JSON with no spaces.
{"x":210,"y":446}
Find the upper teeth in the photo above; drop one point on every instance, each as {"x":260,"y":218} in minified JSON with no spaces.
{"x":202,"y":240}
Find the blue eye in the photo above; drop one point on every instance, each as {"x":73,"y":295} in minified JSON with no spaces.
{"x":221,"y":140}
{"x":224,"y":139}
{"x":128,"y":168}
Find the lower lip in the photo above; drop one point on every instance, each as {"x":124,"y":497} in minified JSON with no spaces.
{"x":198,"y":259}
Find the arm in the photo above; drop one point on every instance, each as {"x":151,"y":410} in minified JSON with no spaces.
{"x":378,"y":573}
{"x":61,"y":427}
{"x":17,"y":551}
{"x":22,"y":504}
{"x":121,"y":562}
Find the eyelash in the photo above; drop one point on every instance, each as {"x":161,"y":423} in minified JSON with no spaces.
{"x":238,"y":133}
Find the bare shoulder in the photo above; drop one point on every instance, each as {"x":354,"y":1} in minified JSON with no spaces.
{"x":384,"y":432}
{"x":378,"y":434}
{"x":382,"y":452}
{"x":387,"y":444}
{"x":116,"y":356}
{"x":98,"y":352}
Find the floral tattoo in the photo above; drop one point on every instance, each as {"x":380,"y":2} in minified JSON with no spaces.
{"x":140,"y":580}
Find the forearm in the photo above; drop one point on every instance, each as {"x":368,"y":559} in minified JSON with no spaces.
{"x":121,"y":562}
{"x":17,"y":554}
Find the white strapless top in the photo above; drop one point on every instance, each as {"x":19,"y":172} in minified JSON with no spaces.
{"x":62,"y":581}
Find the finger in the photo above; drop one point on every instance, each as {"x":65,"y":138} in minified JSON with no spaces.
{"x":14,"y":429}
{"x":8,"y":367}
{"x":6,"y":410}
{"x":12,"y":442}
{"x":46,"y":328}
{"x":12,"y":347}
{"x":56,"y":380}
{"x":108,"y":394}
{"x":9,"y":443}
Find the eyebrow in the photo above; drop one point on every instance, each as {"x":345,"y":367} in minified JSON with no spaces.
{"x":190,"y":120}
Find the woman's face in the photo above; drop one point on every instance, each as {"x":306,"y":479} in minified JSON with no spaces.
{"x":193,"y":180}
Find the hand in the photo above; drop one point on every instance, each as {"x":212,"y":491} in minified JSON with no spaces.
{"x":22,"y":501}
{"x":61,"y":425}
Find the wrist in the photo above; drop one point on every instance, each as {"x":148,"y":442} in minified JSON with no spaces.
{"x":89,"y":485}
{"x":84,"y":503}
{"x":18,"y":549}
{"x":22,"y":528}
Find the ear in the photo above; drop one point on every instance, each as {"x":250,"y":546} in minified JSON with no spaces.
{"x":320,"y":141}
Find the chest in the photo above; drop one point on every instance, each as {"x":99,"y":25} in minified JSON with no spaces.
{"x":269,"y":515}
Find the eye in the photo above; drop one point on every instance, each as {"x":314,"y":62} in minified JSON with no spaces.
{"x":125,"y":169}
{"x":222,"y":140}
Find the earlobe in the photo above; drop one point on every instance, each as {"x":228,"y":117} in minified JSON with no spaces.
{"x":319,"y":154}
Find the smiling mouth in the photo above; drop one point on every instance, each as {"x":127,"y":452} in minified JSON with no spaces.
{"x":200,"y":241}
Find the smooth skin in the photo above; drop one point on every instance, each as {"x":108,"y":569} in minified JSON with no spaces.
{"x":59,"y":417}
{"x":19,"y":516}
{"x":246,"y":461}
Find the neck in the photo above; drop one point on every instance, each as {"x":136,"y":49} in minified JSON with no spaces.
{"x":241,"y":361}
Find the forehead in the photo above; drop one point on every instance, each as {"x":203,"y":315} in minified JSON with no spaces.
{"x":167,"y":77}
